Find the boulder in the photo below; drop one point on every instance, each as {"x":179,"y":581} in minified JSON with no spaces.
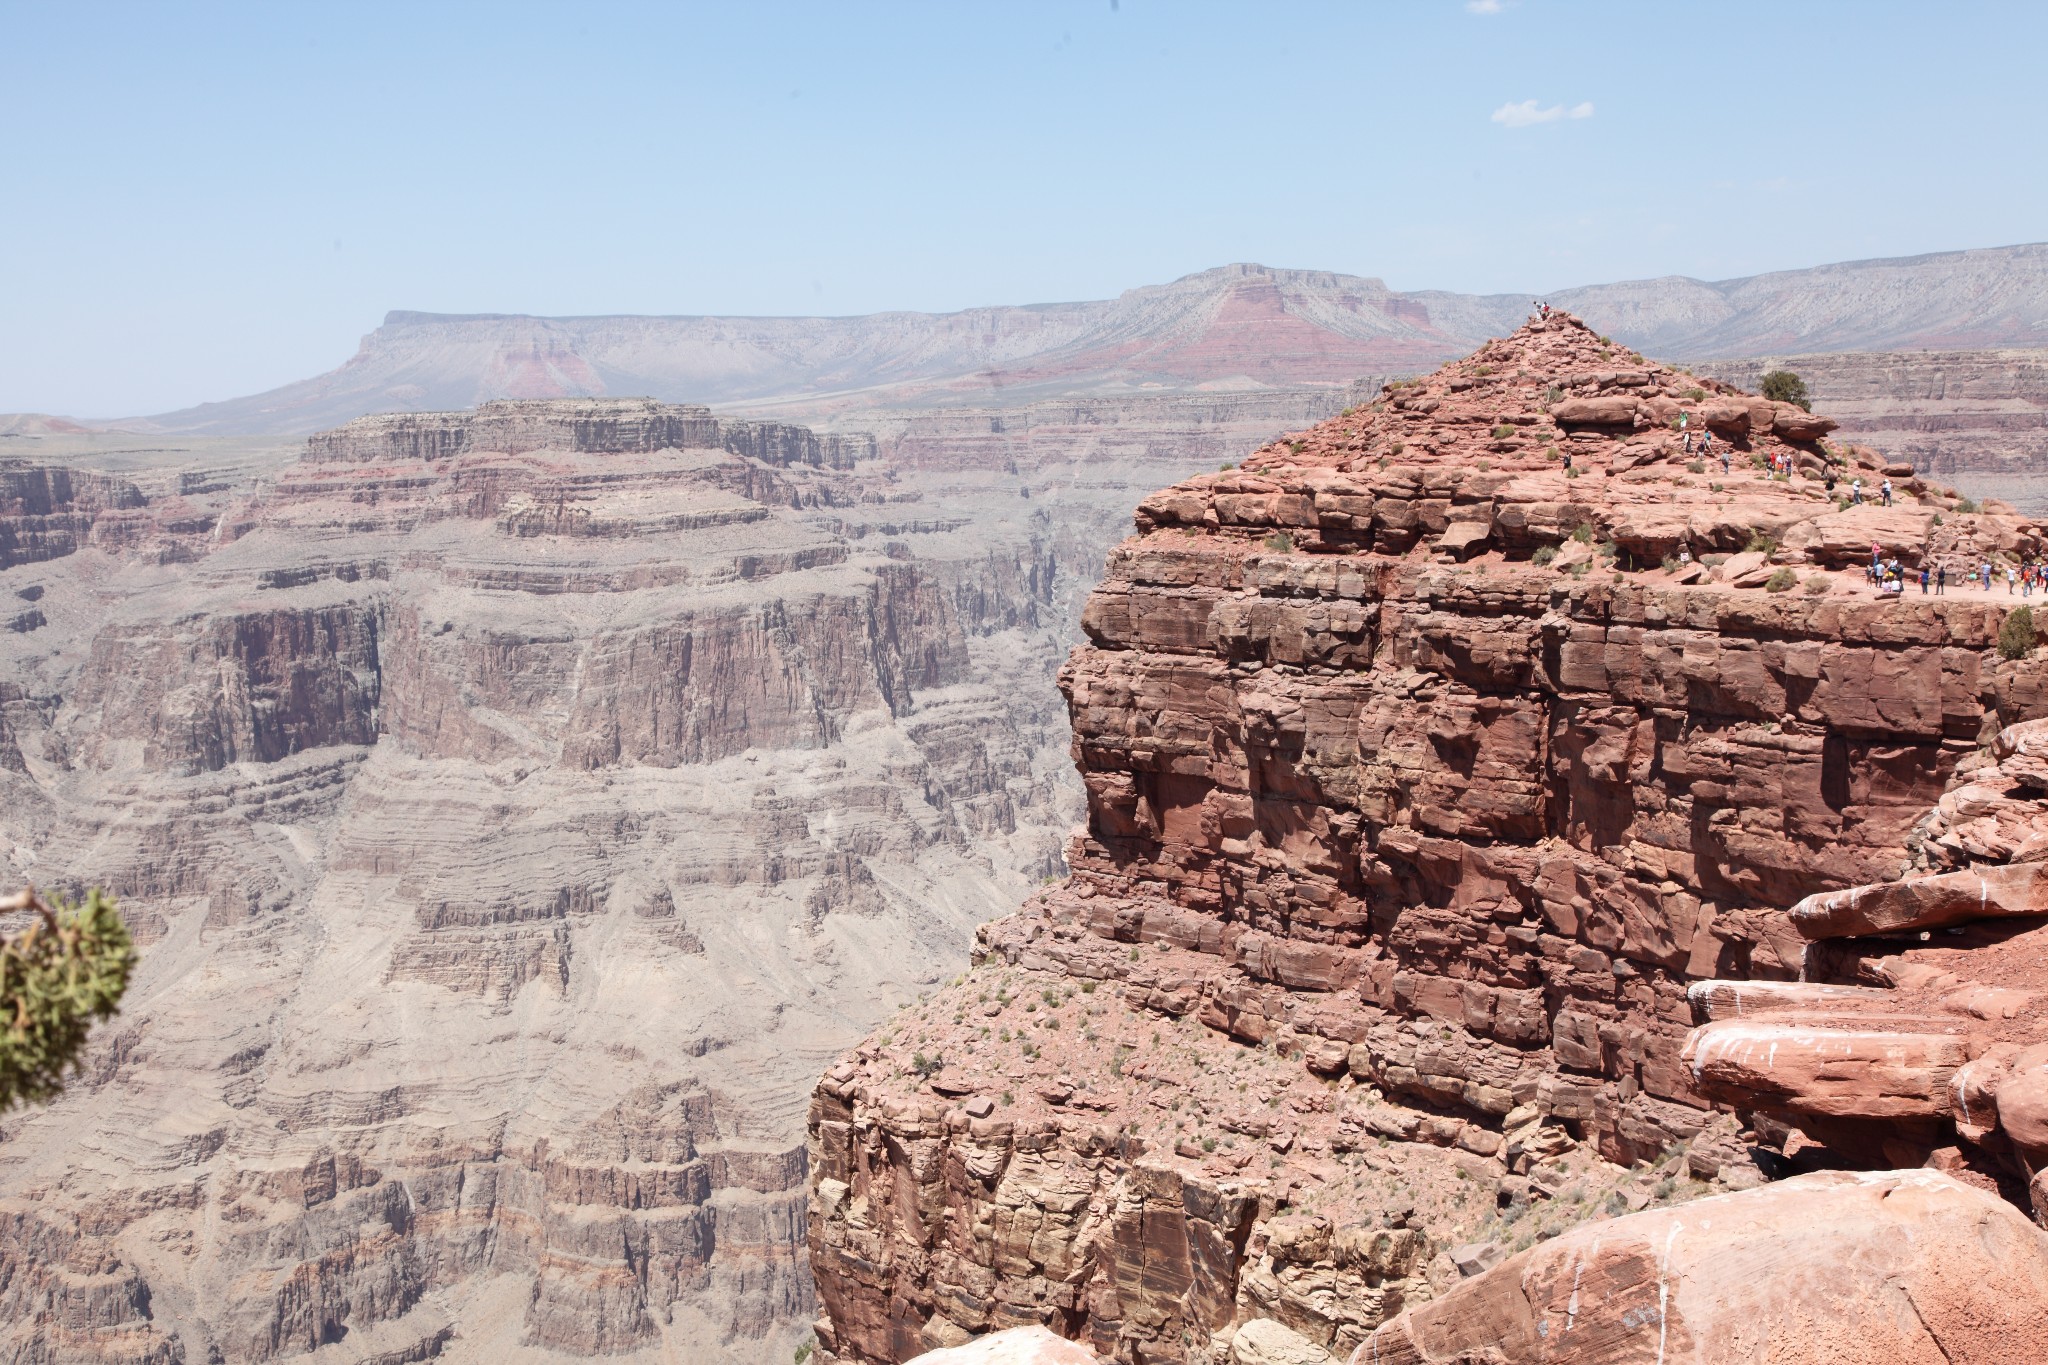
{"x":2023,"y":1103}
{"x":1726,"y":419}
{"x":1618,"y":410}
{"x":1263,"y":1341}
{"x":1017,"y":1346}
{"x":1712,"y":1000}
{"x":1924,"y":902}
{"x":1866,"y":1268}
{"x":1869,"y":1073}
{"x":1843,"y":538}
{"x":1792,"y":423}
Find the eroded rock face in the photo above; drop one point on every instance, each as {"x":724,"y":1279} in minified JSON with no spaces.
{"x":1431,"y":758}
{"x":517,"y":811}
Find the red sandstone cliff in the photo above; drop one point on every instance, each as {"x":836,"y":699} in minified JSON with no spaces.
{"x":1448,"y":765}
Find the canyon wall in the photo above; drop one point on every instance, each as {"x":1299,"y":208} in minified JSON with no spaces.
{"x":1979,"y":417}
{"x":1438,"y":759}
{"x":516,"y":813}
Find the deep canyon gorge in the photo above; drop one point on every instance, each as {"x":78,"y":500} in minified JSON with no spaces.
{"x":521,"y":807}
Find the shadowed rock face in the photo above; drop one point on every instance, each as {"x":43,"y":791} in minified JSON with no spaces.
{"x":517,"y":812}
{"x":1432,"y":758}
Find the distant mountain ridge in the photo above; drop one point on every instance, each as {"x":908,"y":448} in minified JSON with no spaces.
{"x":1235,"y":327}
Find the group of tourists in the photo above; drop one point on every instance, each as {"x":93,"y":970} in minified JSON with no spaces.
{"x":2022,"y":580}
{"x":1888,"y":575}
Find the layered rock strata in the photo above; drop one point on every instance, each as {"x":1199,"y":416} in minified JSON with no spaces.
{"x":605,"y":426}
{"x":1953,"y":413}
{"x":1915,"y":1030}
{"x":1432,"y":757}
{"x":516,"y":812}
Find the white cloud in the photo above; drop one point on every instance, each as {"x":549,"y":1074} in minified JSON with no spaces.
{"x":1485,"y":6}
{"x":1529,"y":112}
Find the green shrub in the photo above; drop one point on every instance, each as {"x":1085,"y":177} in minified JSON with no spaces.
{"x":1583,"y":533}
{"x":1966,"y":505}
{"x":1781,"y":581}
{"x":1543,"y":555}
{"x":1759,"y":542}
{"x":1503,"y":431}
{"x":2016,"y":633}
{"x":1696,"y":395}
{"x":1783,"y":386}
{"x":1225,"y":468}
{"x":69,"y":967}
{"x":1280,"y":541}
{"x":1817,"y":584}
{"x":1695,"y":467}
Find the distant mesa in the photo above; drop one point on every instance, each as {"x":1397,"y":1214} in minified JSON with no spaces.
{"x":1238,"y":326}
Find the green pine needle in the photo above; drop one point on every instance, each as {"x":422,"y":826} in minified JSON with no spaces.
{"x":67,"y":969}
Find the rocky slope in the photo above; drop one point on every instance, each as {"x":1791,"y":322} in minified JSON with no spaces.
{"x":1241,"y":326}
{"x":517,"y":809}
{"x":1449,"y":765}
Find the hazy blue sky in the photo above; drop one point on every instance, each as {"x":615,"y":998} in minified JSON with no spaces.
{"x":205,"y":201}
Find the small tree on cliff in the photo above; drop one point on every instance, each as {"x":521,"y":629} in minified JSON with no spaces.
{"x":1783,"y":386}
{"x":69,"y":967}
{"x":2016,"y":633}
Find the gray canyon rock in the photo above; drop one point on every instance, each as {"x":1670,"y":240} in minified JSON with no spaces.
{"x":517,"y":812}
